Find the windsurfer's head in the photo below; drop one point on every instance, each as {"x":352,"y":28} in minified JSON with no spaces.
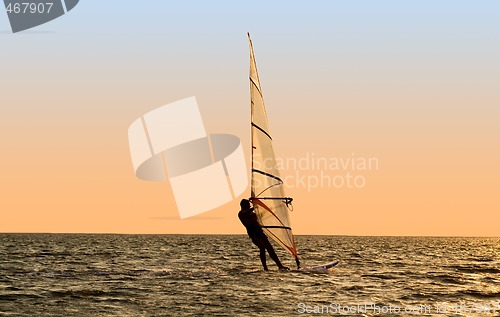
{"x":245,"y":204}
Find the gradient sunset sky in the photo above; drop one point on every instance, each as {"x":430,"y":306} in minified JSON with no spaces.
{"x":414,"y":85}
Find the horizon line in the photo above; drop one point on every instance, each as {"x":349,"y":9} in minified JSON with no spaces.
{"x":244,"y":234}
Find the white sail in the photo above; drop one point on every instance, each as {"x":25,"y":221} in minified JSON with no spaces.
{"x":268,"y":194}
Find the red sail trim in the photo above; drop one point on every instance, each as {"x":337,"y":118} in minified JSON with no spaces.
{"x":293,"y":250}
{"x":261,"y":204}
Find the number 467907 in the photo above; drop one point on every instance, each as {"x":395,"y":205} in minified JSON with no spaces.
{"x":29,"y":7}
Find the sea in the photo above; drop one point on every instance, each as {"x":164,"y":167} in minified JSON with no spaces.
{"x":221,"y":275}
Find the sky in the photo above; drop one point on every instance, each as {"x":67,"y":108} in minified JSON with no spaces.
{"x":410,"y":86}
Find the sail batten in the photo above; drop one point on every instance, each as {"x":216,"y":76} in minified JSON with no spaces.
{"x":267,"y":184}
{"x":261,"y":130}
{"x":266,"y":174}
{"x":256,"y":87}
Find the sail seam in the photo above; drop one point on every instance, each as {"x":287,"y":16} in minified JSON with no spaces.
{"x":257,"y":87}
{"x":267,"y":174}
{"x":277,"y":227}
{"x":261,"y":130}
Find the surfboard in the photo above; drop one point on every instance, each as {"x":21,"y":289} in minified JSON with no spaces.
{"x":321,"y":268}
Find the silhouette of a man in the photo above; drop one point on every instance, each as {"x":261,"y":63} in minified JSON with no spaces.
{"x":249,"y":219}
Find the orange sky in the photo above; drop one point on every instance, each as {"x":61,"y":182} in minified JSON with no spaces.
{"x":423,"y":101}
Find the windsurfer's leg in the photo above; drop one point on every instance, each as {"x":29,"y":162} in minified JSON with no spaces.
{"x":273,"y":254}
{"x":262,"y":249}
{"x":263,"y":258}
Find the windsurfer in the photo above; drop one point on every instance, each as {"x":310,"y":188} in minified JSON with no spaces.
{"x":249,"y":219}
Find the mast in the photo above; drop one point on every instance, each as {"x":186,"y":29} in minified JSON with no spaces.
{"x":252,"y":59}
{"x":267,"y":188}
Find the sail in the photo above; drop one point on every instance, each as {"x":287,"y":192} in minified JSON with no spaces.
{"x":267,"y":192}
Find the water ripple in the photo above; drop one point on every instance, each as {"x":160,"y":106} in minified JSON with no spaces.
{"x":199,"y":275}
